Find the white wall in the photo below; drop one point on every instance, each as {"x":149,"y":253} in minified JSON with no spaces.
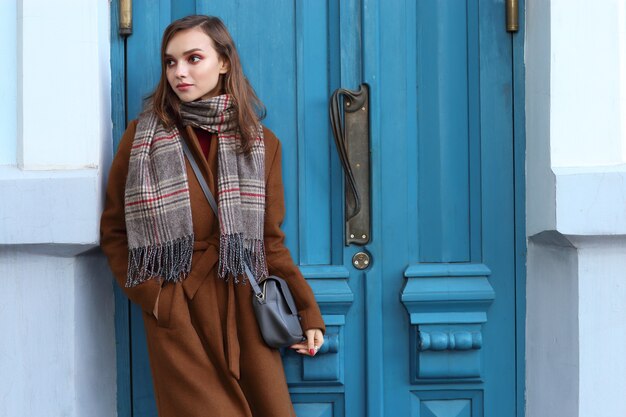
{"x":576,"y":208}
{"x":8,"y":89}
{"x":586,"y":112}
{"x":552,"y":384}
{"x":541,"y":190}
{"x":57,"y":352}
{"x":57,"y":82}
{"x":602,"y":309}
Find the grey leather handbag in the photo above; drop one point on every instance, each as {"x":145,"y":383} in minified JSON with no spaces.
{"x":273,"y":303}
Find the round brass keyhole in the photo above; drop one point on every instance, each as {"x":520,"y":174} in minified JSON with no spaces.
{"x":361,"y":260}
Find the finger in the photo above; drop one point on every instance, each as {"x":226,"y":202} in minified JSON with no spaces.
{"x":319,"y":338}
{"x":310,"y":335}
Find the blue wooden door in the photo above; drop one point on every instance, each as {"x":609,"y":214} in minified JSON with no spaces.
{"x":428,"y":329}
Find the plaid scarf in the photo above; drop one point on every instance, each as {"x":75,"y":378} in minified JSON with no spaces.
{"x":157,"y":205}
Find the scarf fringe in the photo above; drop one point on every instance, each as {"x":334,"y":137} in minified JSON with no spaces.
{"x":170,"y":261}
{"x":234,"y":251}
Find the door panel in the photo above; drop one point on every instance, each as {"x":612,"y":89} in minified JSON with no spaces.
{"x":442,"y":42}
{"x":448,"y":76}
{"x":429,"y":328}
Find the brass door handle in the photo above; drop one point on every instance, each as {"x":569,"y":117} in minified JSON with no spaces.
{"x":512,"y":15}
{"x":126,"y":17}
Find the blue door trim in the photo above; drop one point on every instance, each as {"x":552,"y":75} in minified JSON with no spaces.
{"x":122,"y":304}
{"x":373,"y":288}
{"x":519,"y":151}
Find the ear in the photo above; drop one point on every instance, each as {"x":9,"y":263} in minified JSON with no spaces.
{"x":224,"y":66}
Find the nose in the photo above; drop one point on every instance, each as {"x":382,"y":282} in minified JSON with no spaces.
{"x":181,"y":70}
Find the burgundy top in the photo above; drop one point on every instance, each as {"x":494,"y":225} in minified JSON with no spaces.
{"x":204,"y":138}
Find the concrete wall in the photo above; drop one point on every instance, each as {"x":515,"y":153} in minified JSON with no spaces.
{"x":576,"y":208}
{"x":56,"y":304}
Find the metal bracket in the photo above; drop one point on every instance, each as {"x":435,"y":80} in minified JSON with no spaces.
{"x":126,"y":17}
{"x":352,"y":138}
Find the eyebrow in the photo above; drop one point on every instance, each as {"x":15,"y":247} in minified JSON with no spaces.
{"x":186,"y":52}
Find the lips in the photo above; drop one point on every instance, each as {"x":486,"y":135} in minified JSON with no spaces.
{"x":183,"y":86}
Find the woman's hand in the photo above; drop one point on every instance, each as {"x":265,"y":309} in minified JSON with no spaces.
{"x":315,"y":340}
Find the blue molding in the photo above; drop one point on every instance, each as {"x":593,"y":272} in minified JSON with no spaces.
{"x":447,"y":270}
{"x":447,"y":299}
{"x":334,"y":296}
{"x":328,"y":364}
{"x":447,"y":305}
{"x":446,"y":353}
{"x":319,"y":405}
{"x":450,"y":340}
{"x":451,"y":403}
{"x":335,"y":299}
{"x":122,"y":304}
{"x":326,"y":369}
{"x":324,"y":271}
{"x":519,"y":134}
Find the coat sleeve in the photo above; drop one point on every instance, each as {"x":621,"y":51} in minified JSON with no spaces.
{"x":113,"y":239}
{"x":279,"y":259}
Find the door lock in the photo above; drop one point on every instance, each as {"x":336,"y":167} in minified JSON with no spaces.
{"x":361,"y":260}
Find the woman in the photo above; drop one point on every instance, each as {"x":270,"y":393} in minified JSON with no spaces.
{"x":174,"y":258}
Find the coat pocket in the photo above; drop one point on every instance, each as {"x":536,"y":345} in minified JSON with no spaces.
{"x":165,"y":305}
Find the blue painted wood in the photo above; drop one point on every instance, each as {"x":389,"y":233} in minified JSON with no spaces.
{"x":323,"y":405}
{"x":142,"y":53}
{"x":443,"y":46}
{"x":447,"y":270}
{"x":446,"y":353}
{"x":182,"y":8}
{"x":314,"y":22}
{"x":519,"y":123}
{"x":327,"y":370}
{"x":325,"y":271}
{"x":447,"y":299}
{"x":497,"y":198}
{"x":122,"y":305}
{"x":467,"y":403}
{"x":443,"y":199}
{"x":143,"y":392}
{"x":143,"y":50}
{"x":462,"y":201}
{"x":373,"y":294}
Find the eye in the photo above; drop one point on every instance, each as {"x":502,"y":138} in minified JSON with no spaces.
{"x":195,"y":58}
{"x":169,"y":62}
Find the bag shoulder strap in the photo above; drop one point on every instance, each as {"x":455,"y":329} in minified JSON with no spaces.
{"x":209,"y":196}
{"x":203,"y":184}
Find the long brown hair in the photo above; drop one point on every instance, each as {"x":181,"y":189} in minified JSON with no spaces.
{"x":250,"y":110}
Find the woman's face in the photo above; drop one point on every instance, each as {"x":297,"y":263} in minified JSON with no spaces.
{"x":192,"y":65}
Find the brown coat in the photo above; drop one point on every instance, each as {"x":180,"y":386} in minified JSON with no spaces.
{"x":206,"y":352}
